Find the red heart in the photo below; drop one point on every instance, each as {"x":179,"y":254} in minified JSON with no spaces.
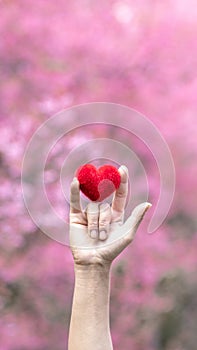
{"x":98,"y":184}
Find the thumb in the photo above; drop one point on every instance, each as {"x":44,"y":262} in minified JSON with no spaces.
{"x":133,"y":222}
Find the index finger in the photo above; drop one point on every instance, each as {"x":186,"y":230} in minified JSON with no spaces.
{"x":75,"y":200}
{"x":120,"y":196}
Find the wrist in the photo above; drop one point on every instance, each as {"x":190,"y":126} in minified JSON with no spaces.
{"x":92,"y":273}
{"x":92,"y":268}
{"x":92,"y":264}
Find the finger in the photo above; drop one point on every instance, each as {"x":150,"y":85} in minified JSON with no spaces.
{"x":120,"y":196}
{"x":104,"y":220}
{"x":93,"y":219}
{"x":75,"y":201}
{"x":131,"y":225}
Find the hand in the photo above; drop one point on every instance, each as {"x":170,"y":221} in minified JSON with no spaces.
{"x":99,"y":234}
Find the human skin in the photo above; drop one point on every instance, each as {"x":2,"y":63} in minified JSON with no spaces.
{"x":98,"y":235}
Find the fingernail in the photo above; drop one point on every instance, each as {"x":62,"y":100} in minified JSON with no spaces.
{"x":149,"y":205}
{"x":124,"y":168}
{"x":93,"y":234}
{"x":103,"y":235}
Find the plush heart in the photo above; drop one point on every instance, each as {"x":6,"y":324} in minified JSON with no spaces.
{"x":98,"y":184}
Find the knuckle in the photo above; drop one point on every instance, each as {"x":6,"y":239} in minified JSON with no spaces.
{"x":92,"y":214}
{"x":93,"y":223}
{"x":74,"y":203}
{"x":121,"y":194}
{"x":104,"y":222}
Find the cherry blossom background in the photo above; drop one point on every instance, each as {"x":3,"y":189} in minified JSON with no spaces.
{"x":54,"y":55}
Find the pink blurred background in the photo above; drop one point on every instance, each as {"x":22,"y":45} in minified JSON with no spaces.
{"x":55,"y":55}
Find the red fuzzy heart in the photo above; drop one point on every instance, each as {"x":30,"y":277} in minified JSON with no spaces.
{"x":98,"y":184}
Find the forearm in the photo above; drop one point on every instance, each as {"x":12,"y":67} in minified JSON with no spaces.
{"x":89,"y":326}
